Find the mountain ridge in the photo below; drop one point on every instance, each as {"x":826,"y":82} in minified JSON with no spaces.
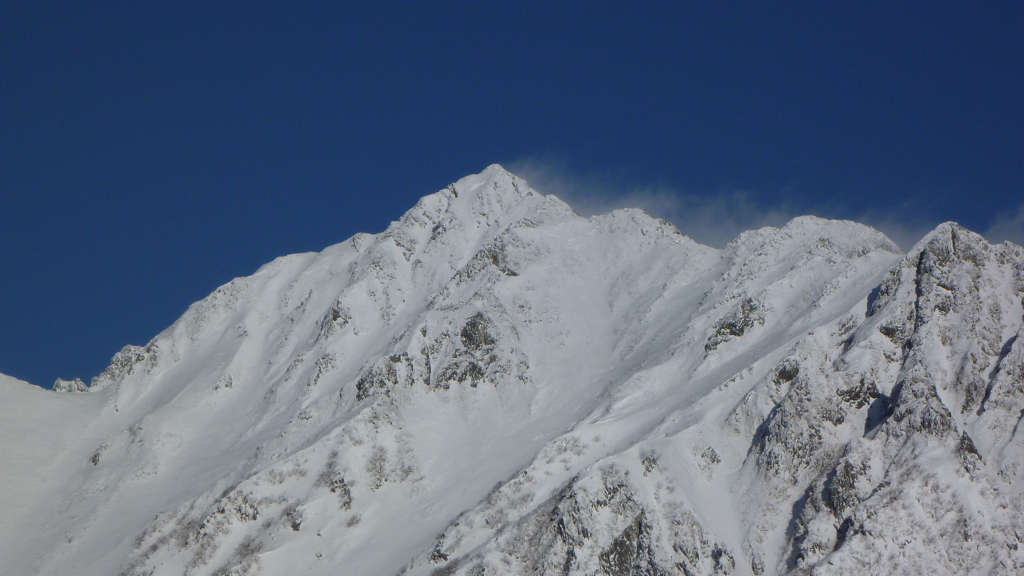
{"x":496,"y":385}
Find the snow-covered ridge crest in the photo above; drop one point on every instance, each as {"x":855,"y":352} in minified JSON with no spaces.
{"x":496,"y":385}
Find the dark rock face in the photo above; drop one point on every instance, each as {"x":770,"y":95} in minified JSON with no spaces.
{"x":378,"y":380}
{"x":598,"y":524}
{"x":787,"y":371}
{"x":736,"y":323}
{"x":631,"y":553}
{"x":475,"y":335}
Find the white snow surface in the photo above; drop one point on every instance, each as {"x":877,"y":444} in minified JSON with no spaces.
{"x":497,"y":386}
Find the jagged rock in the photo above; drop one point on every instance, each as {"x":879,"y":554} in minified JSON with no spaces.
{"x":74,"y":385}
{"x":736,"y":323}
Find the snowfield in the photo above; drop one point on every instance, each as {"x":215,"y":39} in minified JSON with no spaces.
{"x":497,"y":386}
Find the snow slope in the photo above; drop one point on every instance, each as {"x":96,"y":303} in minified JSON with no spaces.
{"x":496,"y":385}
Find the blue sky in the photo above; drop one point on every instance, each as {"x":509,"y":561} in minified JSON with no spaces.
{"x":150,"y":152}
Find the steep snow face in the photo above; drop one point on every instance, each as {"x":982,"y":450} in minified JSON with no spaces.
{"x":495,"y":385}
{"x":36,"y":427}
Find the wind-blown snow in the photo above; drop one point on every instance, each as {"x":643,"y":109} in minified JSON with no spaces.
{"x":496,"y":385}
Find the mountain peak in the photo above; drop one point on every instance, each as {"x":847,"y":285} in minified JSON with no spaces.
{"x":950,"y":237}
{"x":492,"y":174}
{"x":480,"y":206}
{"x":815,"y":234}
{"x":494,"y":189}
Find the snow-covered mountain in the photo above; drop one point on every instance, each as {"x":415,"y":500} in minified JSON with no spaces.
{"x":497,"y":386}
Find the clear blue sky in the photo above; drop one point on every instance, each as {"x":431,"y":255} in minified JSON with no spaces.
{"x":150,"y":152}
